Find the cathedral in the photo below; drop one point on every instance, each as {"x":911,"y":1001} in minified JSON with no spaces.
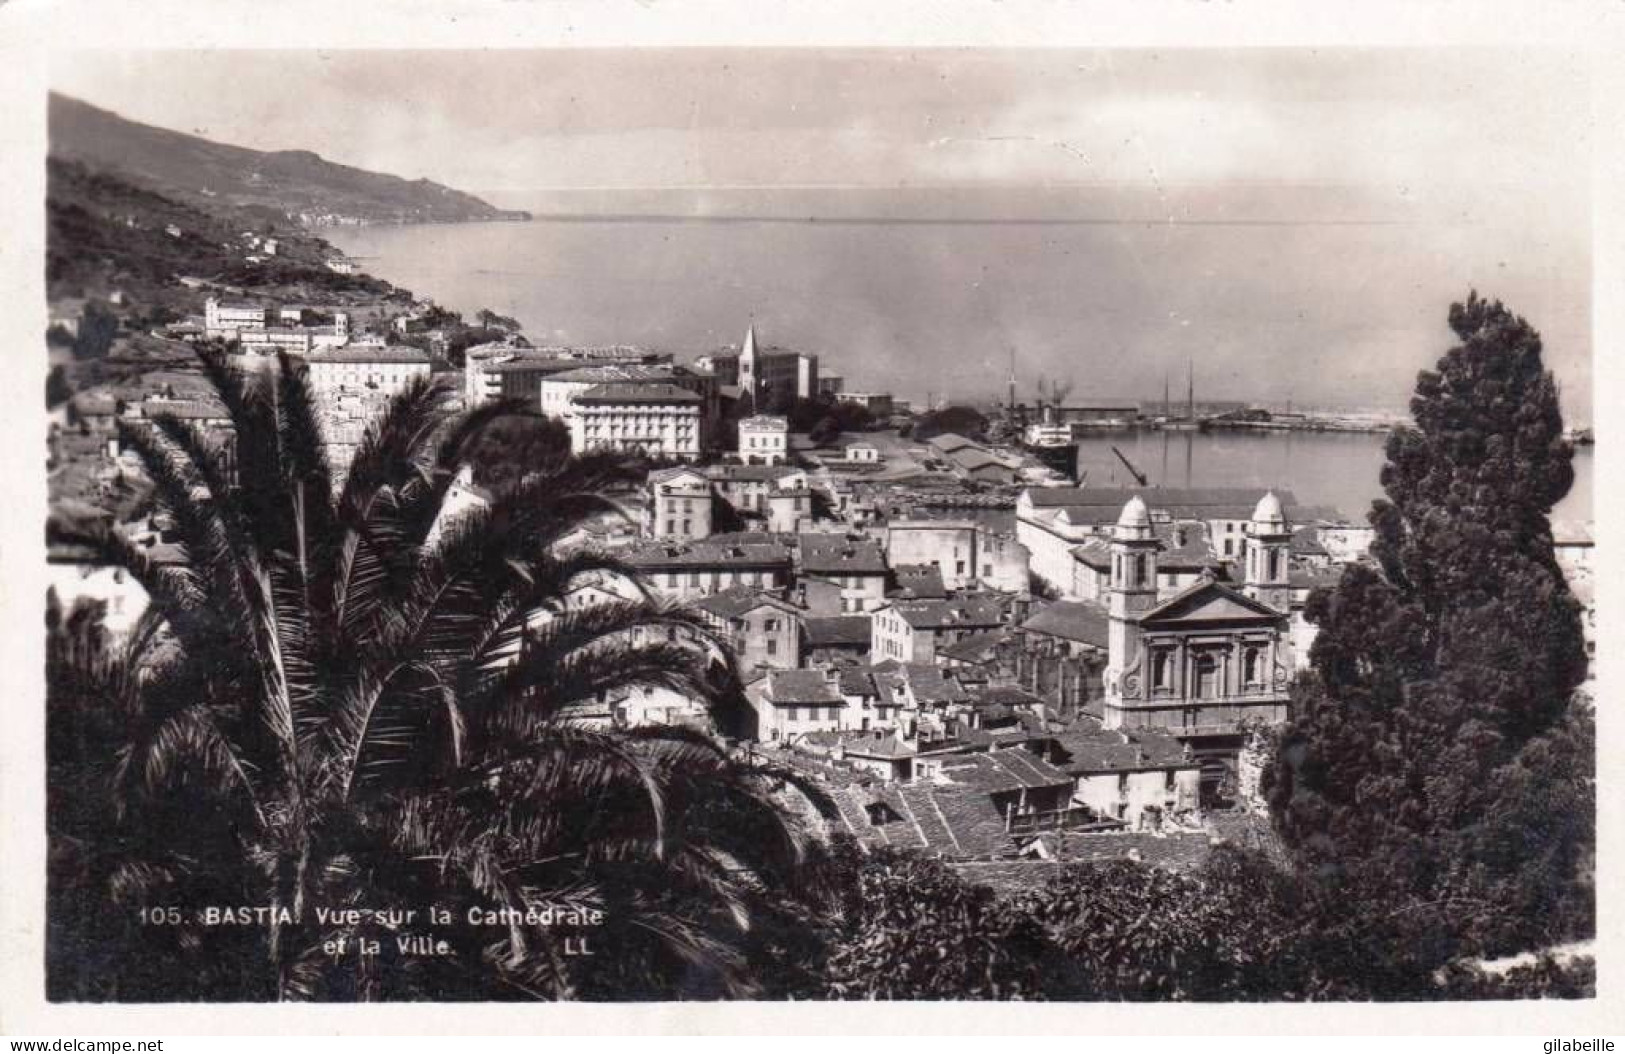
{"x":1201,"y":663}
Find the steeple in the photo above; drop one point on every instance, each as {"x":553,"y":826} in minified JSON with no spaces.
{"x":1269,"y":544}
{"x":1131,"y":592}
{"x":748,"y":376}
{"x":1133,"y":585}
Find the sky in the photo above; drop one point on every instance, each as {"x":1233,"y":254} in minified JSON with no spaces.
{"x":1475,"y":162}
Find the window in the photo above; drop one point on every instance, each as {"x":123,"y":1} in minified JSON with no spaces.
{"x":772,"y":625}
{"x":1207,"y":676}
{"x":1252,"y":665}
{"x":1162,"y":670}
{"x":1122,"y":783}
{"x":772,"y":646}
{"x":1170,"y":782}
{"x":959,"y":567}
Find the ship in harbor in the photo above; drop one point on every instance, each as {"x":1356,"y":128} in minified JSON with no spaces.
{"x":1170,"y":421}
{"x":1052,"y":444}
{"x":1048,"y":431}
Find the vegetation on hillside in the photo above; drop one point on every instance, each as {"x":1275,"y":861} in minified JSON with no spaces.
{"x":283,"y":184}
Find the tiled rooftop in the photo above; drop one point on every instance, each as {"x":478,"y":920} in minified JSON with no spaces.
{"x":801,"y":687}
{"x":372,"y":353}
{"x":836,"y":630}
{"x":950,"y":613}
{"x":628,"y":392}
{"x":836,"y":554}
{"x":1088,"y":751}
{"x":1073,"y":620}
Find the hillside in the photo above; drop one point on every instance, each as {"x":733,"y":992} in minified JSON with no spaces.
{"x":291,"y":184}
{"x":105,"y":233}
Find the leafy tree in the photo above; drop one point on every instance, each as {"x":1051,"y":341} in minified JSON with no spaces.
{"x":1545,"y":978}
{"x":961,"y":420}
{"x":1444,"y":677}
{"x":515,"y":445}
{"x":97,"y":328}
{"x":1130,"y":931}
{"x":57,"y":388}
{"x":332,"y":703}
{"x":491,"y":320}
{"x":92,"y":685}
{"x":910,"y":928}
{"x":825,"y":432}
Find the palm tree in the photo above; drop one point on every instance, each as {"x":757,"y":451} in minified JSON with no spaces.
{"x":341,"y":705}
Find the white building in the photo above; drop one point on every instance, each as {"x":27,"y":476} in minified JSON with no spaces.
{"x":301,"y":340}
{"x":791,"y":703}
{"x":764,"y":440}
{"x":77,"y":574}
{"x":366,"y":367}
{"x":463,"y":499}
{"x":657,"y":420}
{"x":480,"y":383}
{"x":227,"y":319}
{"x":679,"y":504}
{"x":879,"y":404}
{"x":1052,"y":522}
{"x":559,"y":390}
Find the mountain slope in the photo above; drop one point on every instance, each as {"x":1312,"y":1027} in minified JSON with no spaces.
{"x":293,"y":183}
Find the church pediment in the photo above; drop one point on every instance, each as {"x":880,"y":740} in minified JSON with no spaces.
{"x":1209,"y":602}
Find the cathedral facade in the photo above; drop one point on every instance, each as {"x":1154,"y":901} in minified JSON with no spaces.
{"x":1209,"y":660}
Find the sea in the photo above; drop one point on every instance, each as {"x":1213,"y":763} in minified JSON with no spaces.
{"x":946,"y":304}
{"x":1340,"y":470}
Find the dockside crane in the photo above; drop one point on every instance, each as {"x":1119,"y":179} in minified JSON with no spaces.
{"x":1139,"y":477}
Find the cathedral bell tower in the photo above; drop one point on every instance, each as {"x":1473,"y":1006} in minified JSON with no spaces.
{"x":1132,"y":591}
{"x":1269,"y":541}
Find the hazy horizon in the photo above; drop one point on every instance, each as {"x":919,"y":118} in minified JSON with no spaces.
{"x":1296,"y":220}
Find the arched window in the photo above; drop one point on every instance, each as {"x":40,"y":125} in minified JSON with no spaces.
{"x":1252,"y":666}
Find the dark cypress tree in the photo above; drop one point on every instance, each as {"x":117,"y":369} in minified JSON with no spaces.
{"x":1440,"y":713}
